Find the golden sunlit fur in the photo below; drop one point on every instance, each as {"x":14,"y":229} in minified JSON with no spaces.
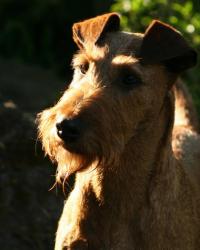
{"x":137,"y":180}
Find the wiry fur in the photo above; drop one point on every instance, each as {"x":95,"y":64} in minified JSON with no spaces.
{"x":132,"y":190}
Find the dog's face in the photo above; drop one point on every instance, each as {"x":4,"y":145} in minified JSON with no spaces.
{"x":120,"y":82}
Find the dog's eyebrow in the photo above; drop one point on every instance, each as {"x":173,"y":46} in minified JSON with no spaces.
{"x":122,"y":59}
{"x":89,"y":54}
{"x":79,"y":59}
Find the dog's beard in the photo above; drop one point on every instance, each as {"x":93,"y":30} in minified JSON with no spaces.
{"x":69,"y":163}
{"x":95,"y":156}
{"x":92,"y":152}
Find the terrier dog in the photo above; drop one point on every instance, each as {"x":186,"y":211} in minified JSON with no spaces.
{"x":137,"y":174}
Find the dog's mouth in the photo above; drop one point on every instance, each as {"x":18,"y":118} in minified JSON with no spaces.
{"x":72,"y":154}
{"x":73,"y":147}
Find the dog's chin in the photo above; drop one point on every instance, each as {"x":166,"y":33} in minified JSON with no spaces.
{"x":71,"y":159}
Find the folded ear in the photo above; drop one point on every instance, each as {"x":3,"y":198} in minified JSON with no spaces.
{"x":164,"y":44}
{"x":92,"y":30}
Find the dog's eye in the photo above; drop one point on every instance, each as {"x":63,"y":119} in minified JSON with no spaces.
{"x":131,"y":80}
{"x":84,"y":68}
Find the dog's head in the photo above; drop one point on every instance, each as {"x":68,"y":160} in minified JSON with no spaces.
{"x":120,"y":80}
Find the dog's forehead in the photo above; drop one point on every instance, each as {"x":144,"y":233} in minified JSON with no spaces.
{"x":123,"y":43}
{"x":115,"y":44}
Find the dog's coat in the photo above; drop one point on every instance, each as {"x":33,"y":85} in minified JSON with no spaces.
{"x":114,"y":128}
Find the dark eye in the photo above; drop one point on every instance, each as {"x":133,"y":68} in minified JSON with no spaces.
{"x":84,"y":68}
{"x":131,"y":80}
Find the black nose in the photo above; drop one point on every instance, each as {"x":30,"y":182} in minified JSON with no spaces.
{"x":69,"y":130}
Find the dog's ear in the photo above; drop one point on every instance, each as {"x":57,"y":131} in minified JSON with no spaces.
{"x":164,"y":44}
{"x":93,"y":30}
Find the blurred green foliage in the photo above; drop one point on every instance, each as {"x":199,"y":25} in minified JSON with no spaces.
{"x":183,"y":15}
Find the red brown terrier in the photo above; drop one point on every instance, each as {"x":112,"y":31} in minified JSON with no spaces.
{"x":137,"y":173}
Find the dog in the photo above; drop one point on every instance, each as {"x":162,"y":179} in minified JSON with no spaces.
{"x":137,"y":172}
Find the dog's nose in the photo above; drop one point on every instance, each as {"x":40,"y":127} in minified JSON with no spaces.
{"x":69,"y":130}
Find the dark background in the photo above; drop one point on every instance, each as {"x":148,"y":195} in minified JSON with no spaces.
{"x":36,"y":48}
